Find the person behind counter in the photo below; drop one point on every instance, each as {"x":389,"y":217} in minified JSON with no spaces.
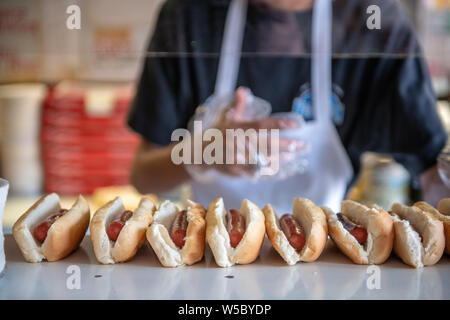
{"x":382,"y":95}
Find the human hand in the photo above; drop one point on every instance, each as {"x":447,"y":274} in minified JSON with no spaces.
{"x":268,"y":147}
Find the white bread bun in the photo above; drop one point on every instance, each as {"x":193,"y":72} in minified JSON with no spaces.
{"x":444,"y":206}
{"x":444,"y":209}
{"x":443,"y":214}
{"x":314,"y":224}
{"x":410,"y":223}
{"x":131,"y":237}
{"x":219,"y":240}
{"x":158,"y":235}
{"x":380,"y":232}
{"x":64,"y":235}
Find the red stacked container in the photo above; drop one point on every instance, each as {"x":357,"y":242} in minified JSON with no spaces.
{"x":84,"y":149}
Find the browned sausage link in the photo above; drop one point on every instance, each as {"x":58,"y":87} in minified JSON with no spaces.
{"x":178,"y":229}
{"x":41,"y":230}
{"x":115,"y":227}
{"x":58,"y":215}
{"x":358,"y":232}
{"x":235,"y":227}
{"x":293,"y":231}
{"x":126,"y":215}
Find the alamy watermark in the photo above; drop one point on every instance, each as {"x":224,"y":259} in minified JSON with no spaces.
{"x":73,"y":281}
{"x":374,"y":280}
{"x":73,"y":21}
{"x":234,"y":146}
{"x":374,"y":20}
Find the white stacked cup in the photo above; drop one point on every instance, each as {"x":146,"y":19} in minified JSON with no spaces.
{"x":20,"y":109}
{"x":3,"y":193}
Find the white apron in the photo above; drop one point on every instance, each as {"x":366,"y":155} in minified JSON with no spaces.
{"x":329,"y":168}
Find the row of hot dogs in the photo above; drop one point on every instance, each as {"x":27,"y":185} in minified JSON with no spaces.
{"x":418,"y":234}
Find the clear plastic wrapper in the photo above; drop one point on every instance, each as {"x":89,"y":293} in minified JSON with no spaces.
{"x":291,"y":158}
{"x":214,"y":107}
{"x":297,"y":162}
{"x":444,"y":166}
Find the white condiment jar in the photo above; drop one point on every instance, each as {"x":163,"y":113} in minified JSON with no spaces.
{"x":382,"y":181}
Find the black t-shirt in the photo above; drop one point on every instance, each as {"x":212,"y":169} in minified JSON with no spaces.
{"x":382,"y":95}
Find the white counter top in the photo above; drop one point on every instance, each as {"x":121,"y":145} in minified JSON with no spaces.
{"x":333,"y":276}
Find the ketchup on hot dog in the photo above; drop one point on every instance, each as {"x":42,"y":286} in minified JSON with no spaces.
{"x":114,"y":228}
{"x":178,"y":229}
{"x":359,"y":233}
{"x":235,"y":227}
{"x":41,"y":230}
{"x":293,"y":231}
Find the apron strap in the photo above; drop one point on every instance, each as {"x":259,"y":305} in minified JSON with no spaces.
{"x":321,"y":54}
{"x":321,"y":60}
{"x":230,"y":54}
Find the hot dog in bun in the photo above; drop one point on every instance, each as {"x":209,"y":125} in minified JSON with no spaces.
{"x":419,"y":236}
{"x":45,"y":231}
{"x":363,"y":234}
{"x":444,"y":209}
{"x":178,"y":236}
{"x":118,"y":233}
{"x":298,"y":237}
{"x":442,"y":214}
{"x":235,"y":236}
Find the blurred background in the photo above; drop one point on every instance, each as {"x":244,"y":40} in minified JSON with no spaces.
{"x":65,"y":94}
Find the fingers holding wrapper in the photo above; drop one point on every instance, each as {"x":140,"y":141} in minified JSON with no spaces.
{"x":443,"y":164}
{"x":269,"y":155}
